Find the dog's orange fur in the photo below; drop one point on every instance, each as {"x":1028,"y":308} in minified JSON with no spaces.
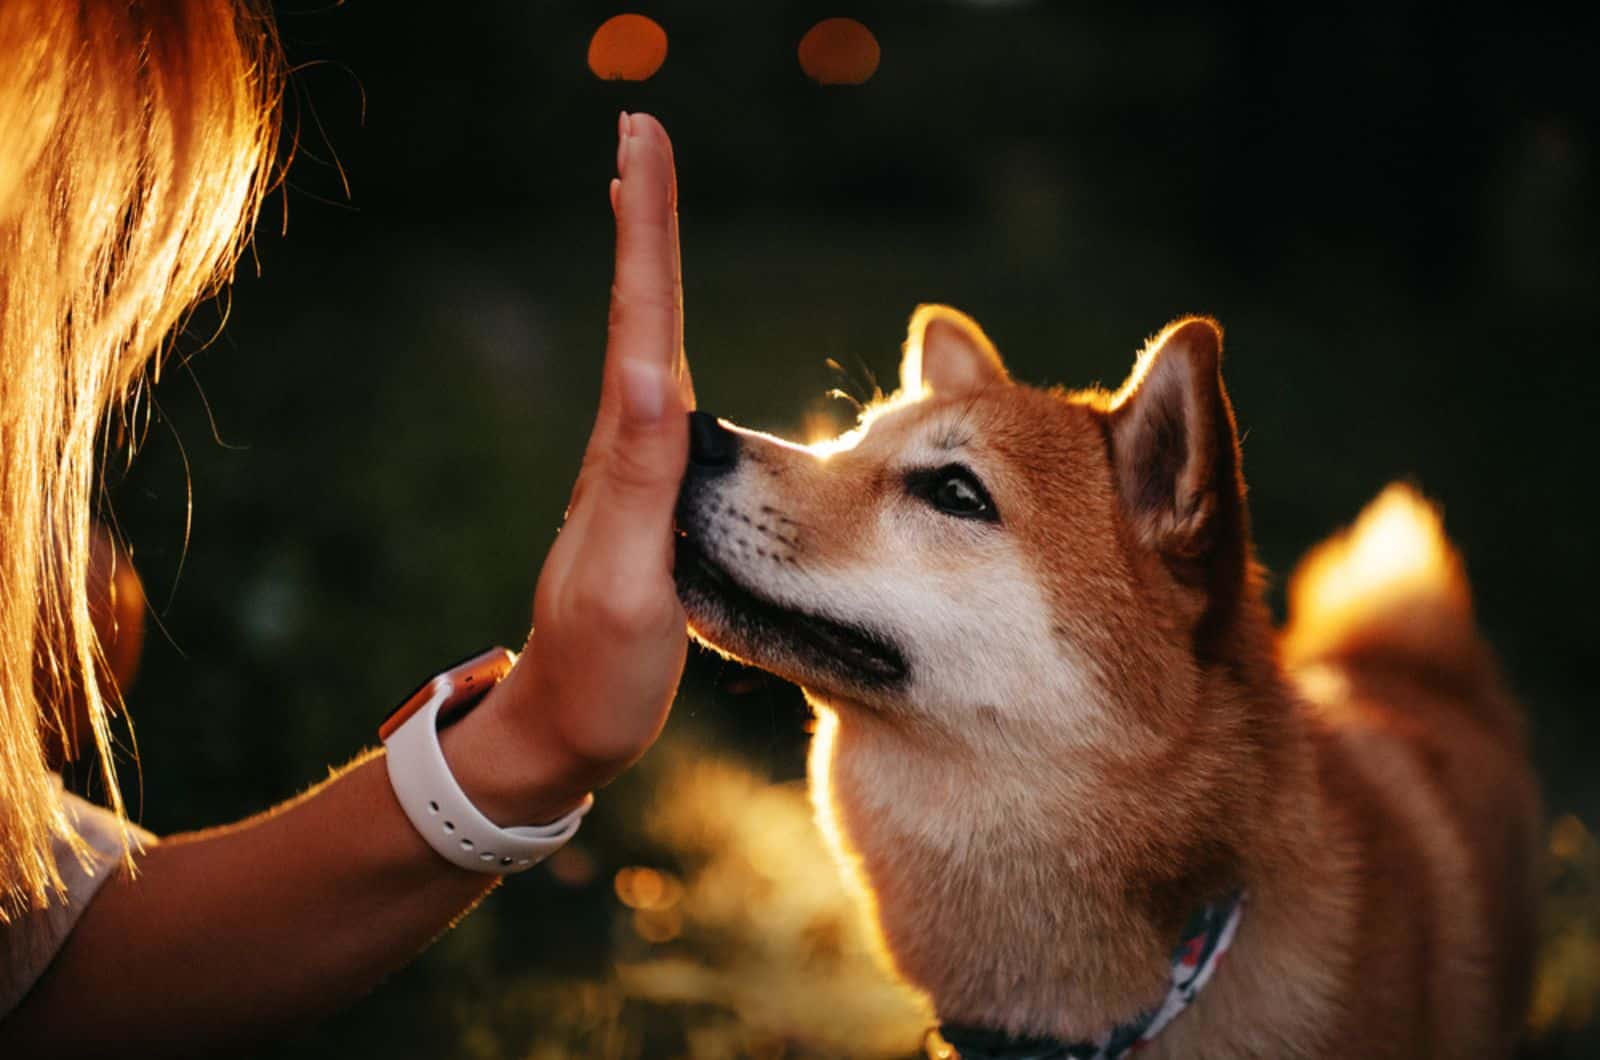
{"x":1362,"y":776}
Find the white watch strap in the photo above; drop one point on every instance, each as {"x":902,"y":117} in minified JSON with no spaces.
{"x":446,"y":818}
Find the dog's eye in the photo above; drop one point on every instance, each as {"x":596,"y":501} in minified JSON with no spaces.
{"x":953,"y":490}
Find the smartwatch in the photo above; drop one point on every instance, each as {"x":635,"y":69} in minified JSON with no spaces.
{"x":427,"y":790}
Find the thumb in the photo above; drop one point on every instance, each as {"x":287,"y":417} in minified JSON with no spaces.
{"x":638,"y":490}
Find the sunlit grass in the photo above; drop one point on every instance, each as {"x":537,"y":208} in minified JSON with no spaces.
{"x":1567,"y":984}
{"x":740,"y":941}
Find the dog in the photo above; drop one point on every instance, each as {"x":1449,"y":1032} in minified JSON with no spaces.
{"x":1092,"y":799}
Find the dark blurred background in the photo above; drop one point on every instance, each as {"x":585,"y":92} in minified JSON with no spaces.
{"x":1391,"y":209}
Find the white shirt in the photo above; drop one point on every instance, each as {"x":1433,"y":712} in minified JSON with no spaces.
{"x":30,"y":942}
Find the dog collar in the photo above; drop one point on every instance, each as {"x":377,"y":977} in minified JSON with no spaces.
{"x":1205,"y":939}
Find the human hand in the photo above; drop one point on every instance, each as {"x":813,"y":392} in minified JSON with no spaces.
{"x":591,"y":690}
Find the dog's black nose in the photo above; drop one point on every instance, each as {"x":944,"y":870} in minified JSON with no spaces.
{"x":712,"y":447}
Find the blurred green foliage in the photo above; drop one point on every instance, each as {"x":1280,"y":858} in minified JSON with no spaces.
{"x":1393,"y":216}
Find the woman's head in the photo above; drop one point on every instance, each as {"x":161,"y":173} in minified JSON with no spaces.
{"x":136,"y":141}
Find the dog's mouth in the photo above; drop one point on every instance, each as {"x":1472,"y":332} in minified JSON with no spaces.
{"x":734,"y":617}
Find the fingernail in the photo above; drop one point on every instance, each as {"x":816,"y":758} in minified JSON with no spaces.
{"x":623,"y":135}
{"x":616,"y":191}
{"x":644,"y":392}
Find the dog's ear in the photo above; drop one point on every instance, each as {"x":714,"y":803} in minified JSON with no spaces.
{"x":1175,"y":450}
{"x":948,"y":355}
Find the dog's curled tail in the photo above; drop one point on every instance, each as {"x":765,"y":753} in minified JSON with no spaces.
{"x":1389,"y":588}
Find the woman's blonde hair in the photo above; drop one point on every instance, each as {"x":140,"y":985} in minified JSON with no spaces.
{"x":137,"y":138}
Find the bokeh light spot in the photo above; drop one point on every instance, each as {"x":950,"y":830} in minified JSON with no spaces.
{"x":839,"y":51}
{"x":627,"y":48}
{"x":658,"y":925}
{"x":572,"y":865}
{"x":644,"y":888}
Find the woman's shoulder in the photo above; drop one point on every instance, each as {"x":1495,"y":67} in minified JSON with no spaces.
{"x":29,"y":942}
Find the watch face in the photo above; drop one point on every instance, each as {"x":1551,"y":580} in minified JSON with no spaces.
{"x":468,"y":681}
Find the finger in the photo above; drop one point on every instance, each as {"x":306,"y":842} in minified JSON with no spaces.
{"x":681,"y":367}
{"x":627,"y":510}
{"x":646,"y":318}
{"x":648,"y":285}
{"x":686,"y":384}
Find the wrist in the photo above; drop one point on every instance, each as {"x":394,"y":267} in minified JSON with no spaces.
{"x":512,"y":775}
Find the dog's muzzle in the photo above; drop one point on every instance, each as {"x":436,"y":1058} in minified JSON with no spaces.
{"x":713,"y":449}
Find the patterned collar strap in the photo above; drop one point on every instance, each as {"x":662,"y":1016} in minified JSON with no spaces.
{"x":1207,"y":937}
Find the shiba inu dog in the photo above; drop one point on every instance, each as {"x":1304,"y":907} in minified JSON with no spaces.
{"x":1069,"y":760}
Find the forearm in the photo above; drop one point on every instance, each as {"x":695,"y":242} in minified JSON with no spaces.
{"x":232,"y":933}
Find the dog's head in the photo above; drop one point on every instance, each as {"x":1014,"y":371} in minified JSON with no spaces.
{"x":978,"y":551}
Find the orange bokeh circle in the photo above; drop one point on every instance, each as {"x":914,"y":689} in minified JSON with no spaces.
{"x":627,"y":48}
{"x":839,"y":51}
